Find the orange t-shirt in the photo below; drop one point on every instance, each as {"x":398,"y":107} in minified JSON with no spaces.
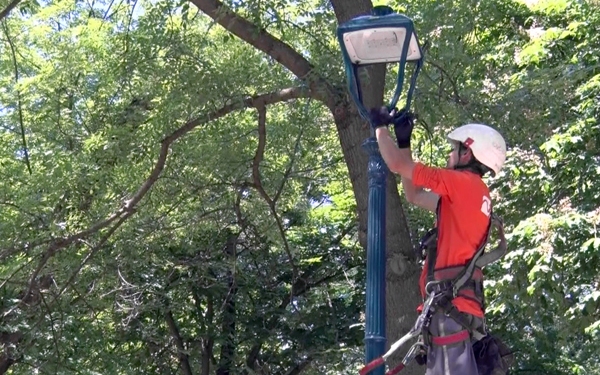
{"x":464,"y":217}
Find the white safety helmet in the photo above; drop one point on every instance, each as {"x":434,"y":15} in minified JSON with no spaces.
{"x":486,"y":143}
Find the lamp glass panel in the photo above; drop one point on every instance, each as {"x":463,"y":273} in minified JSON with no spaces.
{"x":380,"y":45}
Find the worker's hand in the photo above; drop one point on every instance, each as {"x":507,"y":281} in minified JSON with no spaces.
{"x":404,"y":123}
{"x":379,"y":117}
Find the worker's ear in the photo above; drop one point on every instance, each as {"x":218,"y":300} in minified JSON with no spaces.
{"x":465,"y":155}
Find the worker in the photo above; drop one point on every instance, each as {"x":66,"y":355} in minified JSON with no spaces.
{"x":462,"y":202}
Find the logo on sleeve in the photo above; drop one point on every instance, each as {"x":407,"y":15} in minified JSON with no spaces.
{"x":486,"y":206}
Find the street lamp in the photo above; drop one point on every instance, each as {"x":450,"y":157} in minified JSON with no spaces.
{"x":379,"y":38}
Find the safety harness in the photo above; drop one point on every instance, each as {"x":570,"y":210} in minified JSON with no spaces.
{"x":460,"y":281}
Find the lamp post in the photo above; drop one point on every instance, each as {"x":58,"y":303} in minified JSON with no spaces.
{"x":379,"y":38}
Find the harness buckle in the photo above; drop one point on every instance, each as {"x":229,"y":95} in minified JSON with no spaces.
{"x":428,"y":240}
{"x":439,"y":287}
{"x":455,"y":290}
{"x":429,"y":301}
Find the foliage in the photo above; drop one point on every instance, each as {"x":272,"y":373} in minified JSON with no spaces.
{"x":243,"y":256}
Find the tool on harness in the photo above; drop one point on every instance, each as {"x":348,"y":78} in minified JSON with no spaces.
{"x":422,"y":321}
{"x":492,"y":356}
{"x":426,"y":241}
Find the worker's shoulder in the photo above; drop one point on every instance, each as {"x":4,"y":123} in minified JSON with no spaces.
{"x":473,"y":197}
{"x":469,"y":188}
{"x":433,"y":170}
{"x":474,"y":179}
{"x":458,"y":175}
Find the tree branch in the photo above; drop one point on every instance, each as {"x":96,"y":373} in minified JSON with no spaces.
{"x":207,"y":354}
{"x":184,"y":361}
{"x":7,"y":252}
{"x":92,"y":252}
{"x":272,"y":46}
{"x":22,"y":210}
{"x":259,"y":155}
{"x":288,"y":170}
{"x":300,"y":287}
{"x":250,"y":102}
{"x":52,"y":324}
{"x":343,"y":12}
{"x":296,"y":370}
{"x":455,"y":91}
{"x":206,"y":325}
{"x":257,"y":184}
{"x":8,"y":8}
{"x":19,"y":106}
{"x":229,"y":312}
{"x":128,"y":208}
{"x":257,"y":37}
{"x":252,"y":357}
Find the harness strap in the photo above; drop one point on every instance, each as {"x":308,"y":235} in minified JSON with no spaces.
{"x":429,"y":241}
{"x":466,"y":281}
{"x":500,"y":250}
{"x":472,"y":289}
{"x":451,"y":339}
{"x":445,"y":303}
{"x":432,"y":250}
{"x":479,"y":260}
{"x":467,"y":272}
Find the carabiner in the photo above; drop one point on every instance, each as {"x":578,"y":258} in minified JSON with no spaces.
{"x":412,"y":352}
{"x":430,"y":285}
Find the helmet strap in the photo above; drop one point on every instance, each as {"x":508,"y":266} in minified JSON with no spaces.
{"x":472,"y":165}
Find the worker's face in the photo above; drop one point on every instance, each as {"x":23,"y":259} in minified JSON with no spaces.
{"x":456,"y":158}
{"x":453,"y":156}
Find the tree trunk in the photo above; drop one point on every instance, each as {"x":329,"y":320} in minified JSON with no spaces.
{"x":402,"y":275}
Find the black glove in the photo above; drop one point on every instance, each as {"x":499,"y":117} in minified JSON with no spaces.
{"x":379,"y":117}
{"x":404,"y":123}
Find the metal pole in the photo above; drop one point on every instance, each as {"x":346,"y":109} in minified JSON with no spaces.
{"x":375,"y":294}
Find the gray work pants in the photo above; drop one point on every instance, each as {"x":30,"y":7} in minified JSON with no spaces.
{"x":452,"y":359}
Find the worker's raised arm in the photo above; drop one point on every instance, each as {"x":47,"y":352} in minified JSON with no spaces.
{"x":397,"y":155}
{"x":398,"y":160}
{"x":418,"y":196}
